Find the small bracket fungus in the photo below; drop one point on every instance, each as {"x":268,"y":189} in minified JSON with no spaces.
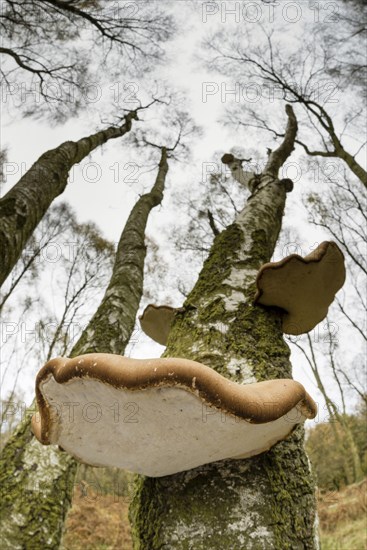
{"x":303,"y":287}
{"x":160,"y":416}
{"x":156,"y":322}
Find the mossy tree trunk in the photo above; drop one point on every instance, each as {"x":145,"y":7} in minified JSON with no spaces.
{"x":37,"y":481}
{"x":23,"y":207}
{"x":265,"y":502}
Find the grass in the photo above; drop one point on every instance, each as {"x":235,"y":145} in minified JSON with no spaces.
{"x":350,"y":536}
{"x":97,"y":522}
{"x":343,"y":521}
{"x":100,"y":522}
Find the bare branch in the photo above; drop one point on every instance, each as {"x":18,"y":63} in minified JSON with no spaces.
{"x":278,"y":157}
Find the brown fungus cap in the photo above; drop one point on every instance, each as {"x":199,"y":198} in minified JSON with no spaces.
{"x":156,"y":322}
{"x":303,"y":287}
{"x":160,"y":416}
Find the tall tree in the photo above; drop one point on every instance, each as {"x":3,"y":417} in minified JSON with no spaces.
{"x":329,"y":455}
{"x":339,"y":422}
{"x":262,"y":502}
{"x":23,"y":207}
{"x":295,"y":82}
{"x":36,"y":481}
{"x":340,"y":211}
{"x":78,"y":272}
{"x":57,"y":220}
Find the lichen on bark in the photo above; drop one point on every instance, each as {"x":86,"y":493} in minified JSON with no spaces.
{"x":37,"y":485}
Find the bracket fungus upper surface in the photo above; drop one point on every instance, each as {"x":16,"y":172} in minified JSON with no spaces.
{"x":160,"y":416}
{"x":303,"y":287}
{"x":156,"y":322}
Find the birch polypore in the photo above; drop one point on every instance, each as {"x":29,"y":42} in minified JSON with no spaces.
{"x":303,"y":287}
{"x":156,"y":322}
{"x":160,"y":416}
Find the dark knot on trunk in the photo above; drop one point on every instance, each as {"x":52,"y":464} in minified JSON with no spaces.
{"x":288,"y":184}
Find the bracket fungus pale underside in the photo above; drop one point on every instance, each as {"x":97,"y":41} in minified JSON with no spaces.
{"x":303,"y":287}
{"x":160,"y":416}
{"x":156,"y":322}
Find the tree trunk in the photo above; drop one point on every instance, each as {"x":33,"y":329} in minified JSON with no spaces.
{"x":265,"y":502}
{"x":23,"y":207}
{"x":343,"y":435}
{"x":37,"y":481}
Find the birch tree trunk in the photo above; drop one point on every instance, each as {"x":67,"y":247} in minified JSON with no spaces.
{"x":37,"y":481}
{"x":23,"y":207}
{"x":265,"y":502}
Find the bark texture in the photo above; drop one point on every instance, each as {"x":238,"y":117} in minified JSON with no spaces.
{"x":266,"y":502}
{"x":124,"y":292}
{"x":23,"y":207}
{"x":37,"y":481}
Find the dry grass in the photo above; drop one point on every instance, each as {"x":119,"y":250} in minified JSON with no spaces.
{"x":343,"y":521}
{"x":97,"y":522}
{"x":100,"y":522}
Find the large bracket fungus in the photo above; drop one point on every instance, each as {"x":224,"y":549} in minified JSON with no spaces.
{"x":156,"y":322}
{"x":160,"y":416}
{"x":303,"y":287}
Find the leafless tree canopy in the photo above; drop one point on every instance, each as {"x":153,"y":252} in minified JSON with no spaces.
{"x":51,"y":49}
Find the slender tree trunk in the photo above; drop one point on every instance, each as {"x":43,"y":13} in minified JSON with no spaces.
{"x":265,"y":502}
{"x":23,"y":207}
{"x":37,"y":481}
{"x":358,"y":474}
{"x":344,"y":438}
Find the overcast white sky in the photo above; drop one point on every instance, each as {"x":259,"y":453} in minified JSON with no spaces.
{"x":92,"y":191}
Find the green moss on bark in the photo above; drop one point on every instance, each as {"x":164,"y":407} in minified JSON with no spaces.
{"x":292,"y":492}
{"x":24,"y":483}
{"x":218,"y":265}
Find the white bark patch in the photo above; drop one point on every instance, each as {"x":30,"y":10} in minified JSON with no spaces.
{"x":220,"y":327}
{"x":41,"y":463}
{"x":316,"y":527}
{"x":240,"y":278}
{"x":195,"y":530}
{"x":248,"y":523}
{"x":239,"y":174}
{"x":237,"y":367}
{"x":113,"y":318}
{"x":232,"y":301}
